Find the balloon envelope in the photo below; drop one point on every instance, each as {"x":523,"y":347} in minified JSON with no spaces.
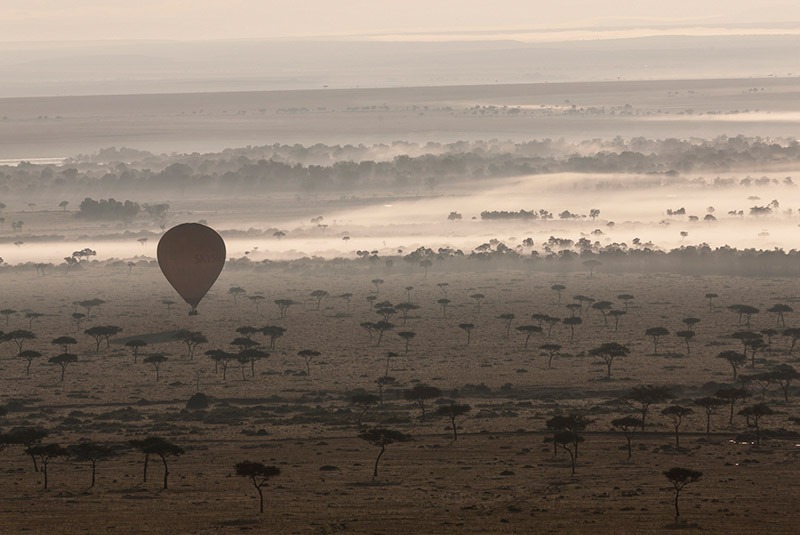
{"x":191,"y":256}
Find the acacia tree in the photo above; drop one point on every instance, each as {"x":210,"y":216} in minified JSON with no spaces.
{"x":625,"y":298}
{"x":382,"y":437}
{"x":283,"y":306}
{"x":558,"y":288}
{"x":404,"y":309}
{"x":363,"y":400}
{"x":222,"y":359}
{"x":608,"y":352}
{"x":389,"y":356}
{"x":677,"y":414}
{"x":604,"y":307}
{"x":710,"y":406}
{"x":656,"y":333}
{"x":528,"y":331}
{"x":192,"y":339}
{"x":754,"y":413}
{"x":259,"y":474}
{"x":91,"y":452}
{"x":572,"y":322}
{"x":478,"y":297}
{"x":421,"y":393}
{"x":711,"y":297}
{"x":735,"y":359}
{"x":382,"y":327}
{"x":573,"y":423}
{"x":453,"y":411}
{"x":680,"y":477}
{"x":157,"y":446}
{"x":308,"y":355}
{"x":687,"y":337}
{"x":551,"y":349}
{"x":19,"y":337}
{"x":467,"y":328}
{"x":744,"y":310}
{"x":508,"y":318}
{"x":27,"y":437}
{"x":731,"y":396}
{"x":407,"y":336}
{"x":102,"y":333}
{"x":780,"y":309}
{"x":569,"y":440}
{"x":273,"y":332}
{"x":616,"y":314}
{"x":135,"y":345}
{"x":783,"y":375}
{"x":646,"y":395}
{"x":63,"y":360}
{"x":382,"y":383}
{"x":319,"y":295}
{"x":29,"y":355}
{"x":156,"y":360}
{"x":236,"y":292}
{"x":46,"y":453}
{"x":444,"y":303}
{"x":64,"y":342}
{"x":628,"y":424}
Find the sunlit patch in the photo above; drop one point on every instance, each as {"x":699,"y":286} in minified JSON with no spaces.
{"x":387,"y":205}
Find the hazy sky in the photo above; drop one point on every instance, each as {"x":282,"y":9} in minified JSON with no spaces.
{"x":53,"y":20}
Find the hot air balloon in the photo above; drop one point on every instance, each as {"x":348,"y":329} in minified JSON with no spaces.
{"x":191,"y":257}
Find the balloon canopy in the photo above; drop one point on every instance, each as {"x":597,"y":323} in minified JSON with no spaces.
{"x":191,"y":256}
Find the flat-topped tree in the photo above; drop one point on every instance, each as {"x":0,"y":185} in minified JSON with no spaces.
{"x":19,"y":337}
{"x":256,"y":300}
{"x":347,"y":297}
{"x":382,"y":437}
{"x":710,"y":405}
{"x":89,"y":304}
{"x":528,"y":331}
{"x":102,"y":333}
{"x":508,"y":317}
{"x":381,"y":327}
{"x":8,"y":312}
{"x":690,"y":323}
{"x":221,"y":359}
{"x":91,"y":452}
{"x":604,"y":307}
{"x":273,"y":332}
{"x":607,"y":352}
{"x":77,"y":318}
{"x":29,"y":355}
{"x":656,"y":333}
{"x":252,"y":355}
{"x":735,"y":359}
{"x":680,"y":477}
{"x":677,"y":413}
{"x":64,"y":342}
{"x":30,"y":316}
{"x":236,"y":292}
{"x":443,"y":286}
{"x":628,"y":425}
{"x":377,"y":283}
{"x":591,"y":265}
{"x":711,"y":297}
{"x":467,"y":328}
{"x":794,"y":334}
{"x":444,"y":303}
{"x":551,"y":321}
{"x":308,"y":355}
{"x":160,"y":447}
{"x":783,"y":375}
{"x":745,"y":311}
{"x":754,"y":414}
{"x":421,"y":393}
{"x":407,"y":336}
{"x":364,"y":401}
{"x":572,"y":322}
{"x":646,"y":395}
{"x":135,"y":345}
{"x":168,"y":303}
{"x":63,"y":360}
{"x":574,"y":423}
{"x":382,"y":383}
{"x":780,"y":309}
{"x":46,"y":453}
{"x":749,"y":340}
{"x":453,"y":411}
{"x":26,"y":436}
{"x":626,"y":299}
{"x":731,"y":396}
{"x":404,"y":309}
{"x":478,"y":298}
{"x":156,"y":360}
{"x":769,"y":333}
{"x":319,"y":295}
{"x":686,"y":336}
{"x":552,"y":350}
{"x":283,"y":306}
{"x":558,"y":288}
{"x":259,"y":474}
{"x":192,"y":339}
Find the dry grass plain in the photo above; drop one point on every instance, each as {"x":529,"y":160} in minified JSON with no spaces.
{"x":498,"y":477}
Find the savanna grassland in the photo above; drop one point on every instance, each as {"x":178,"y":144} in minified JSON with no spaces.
{"x":498,"y":476}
